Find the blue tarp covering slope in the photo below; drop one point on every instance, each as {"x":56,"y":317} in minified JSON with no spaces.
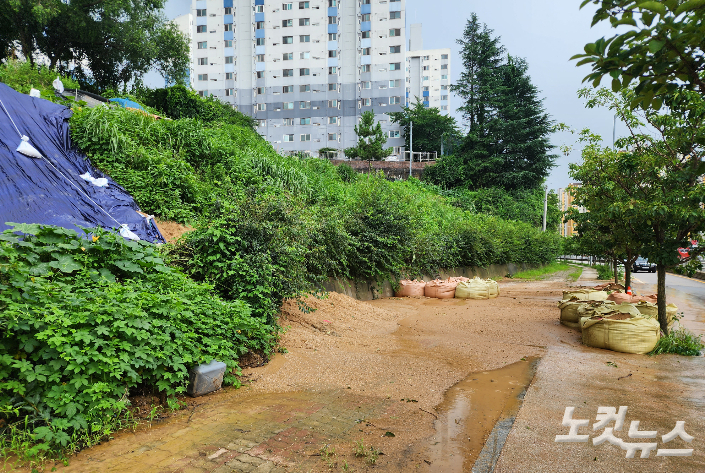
{"x":32,"y":191}
{"x":125,"y":103}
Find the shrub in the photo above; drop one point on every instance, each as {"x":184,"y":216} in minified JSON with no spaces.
{"x":23,"y":76}
{"x":680,"y":342}
{"x":86,"y":320}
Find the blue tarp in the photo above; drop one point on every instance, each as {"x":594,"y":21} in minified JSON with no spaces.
{"x":32,"y":191}
{"x":127,"y":103}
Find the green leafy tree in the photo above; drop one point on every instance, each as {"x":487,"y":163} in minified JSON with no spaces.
{"x":117,"y":40}
{"x":663,"y":46}
{"x":429,"y":126}
{"x":371,"y":140}
{"x":655,"y":182}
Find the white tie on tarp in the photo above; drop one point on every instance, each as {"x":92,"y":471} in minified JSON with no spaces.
{"x":100,"y":181}
{"x":34,"y":93}
{"x":29,"y":150}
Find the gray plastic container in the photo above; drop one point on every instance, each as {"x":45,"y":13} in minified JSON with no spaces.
{"x":206,"y":378}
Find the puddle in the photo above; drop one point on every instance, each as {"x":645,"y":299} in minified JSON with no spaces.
{"x":470,"y":411}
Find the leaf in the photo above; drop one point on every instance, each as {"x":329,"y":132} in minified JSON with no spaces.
{"x":64,"y":263}
{"x":689,"y":5}
{"x":388,"y":434}
{"x":656,"y":7}
{"x":655,"y":45}
{"x":128,"y":266}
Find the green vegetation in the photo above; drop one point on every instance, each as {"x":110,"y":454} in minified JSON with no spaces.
{"x":679,"y":342}
{"x":86,"y":320}
{"x":370,"y":140}
{"x":23,"y":77}
{"x":604,"y":271}
{"x":576,"y":273}
{"x":542,"y":272}
{"x":429,"y":127}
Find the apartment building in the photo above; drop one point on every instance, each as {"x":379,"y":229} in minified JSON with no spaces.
{"x":428,"y":73}
{"x":306,"y":70}
{"x":185,"y":23}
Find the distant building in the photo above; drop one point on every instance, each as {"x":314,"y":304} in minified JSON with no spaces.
{"x":186,"y":24}
{"x":428,"y":72}
{"x":567,"y":202}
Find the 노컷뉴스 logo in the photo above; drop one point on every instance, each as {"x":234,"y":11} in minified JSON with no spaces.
{"x":605,"y":415}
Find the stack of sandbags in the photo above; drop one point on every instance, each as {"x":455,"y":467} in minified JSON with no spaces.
{"x":569,"y":315}
{"x":584,"y":295}
{"x":440,"y":289}
{"x":622,"y":332}
{"x":650,"y":309}
{"x":409,"y":288}
{"x":571,"y":311}
{"x":477,"y":288}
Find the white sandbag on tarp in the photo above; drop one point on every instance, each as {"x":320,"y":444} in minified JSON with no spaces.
{"x":27,"y":149}
{"x":97,"y":181}
{"x":58,"y":85}
{"x":34,"y":93}
{"x":127,"y":233}
{"x":585,"y":295}
{"x":621,"y":332}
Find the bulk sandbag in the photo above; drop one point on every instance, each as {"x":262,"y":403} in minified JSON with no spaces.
{"x":650,"y":309}
{"x":477,"y":288}
{"x":621,"y":332}
{"x":409,"y":288}
{"x":569,"y":316}
{"x":585,"y":295}
{"x":440,"y":289}
{"x":620,"y":297}
{"x":457,"y":279}
{"x":572,"y":311}
{"x":610,"y":287}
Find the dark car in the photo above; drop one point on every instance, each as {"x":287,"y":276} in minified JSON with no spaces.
{"x":642,"y":264}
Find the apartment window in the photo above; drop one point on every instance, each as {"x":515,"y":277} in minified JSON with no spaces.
{"x":426,"y":58}
{"x":260,"y":41}
{"x":306,"y":137}
{"x":288,"y":138}
{"x":366,"y":17}
{"x":425,"y":88}
{"x":444,"y":87}
{"x":304,"y":88}
{"x":332,"y":70}
{"x":444,"y":77}
{"x":303,"y":105}
{"x":366,"y":51}
{"x":288,"y":122}
{"x":202,"y":45}
{"x":287,"y":39}
{"x":228,"y":27}
{"x":259,"y":74}
{"x":394,"y":100}
{"x":202,"y":28}
{"x":332,"y":86}
{"x":304,"y":21}
{"x":367,"y":102}
{"x":395,"y":49}
{"x":305,"y":38}
{"x":392,"y":1}
{"x":444,"y":107}
{"x":228,"y":10}
{"x":202,"y":61}
{"x":366,"y":68}
{"x":394,"y":133}
{"x":202,"y":77}
{"x":286,"y":23}
{"x":425,"y":78}
{"x":395,"y":83}
{"x":260,"y":8}
{"x":202,"y":12}
{"x":228,"y":92}
{"x":288,"y":72}
{"x":332,"y":120}
{"x":444,"y":97}
{"x":332,"y":136}
{"x":260,"y":90}
{"x":332,"y":36}
{"x":332,"y":53}
{"x":332,"y":20}
{"x":365,"y":2}
{"x":332,"y":103}
{"x":260,"y":58}
{"x":305,"y":55}
{"x":305,"y":121}
{"x":367,"y":85}
{"x":288,"y":106}
{"x":227,"y":43}
{"x":229,"y":59}
{"x":395,"y":32}
{"x":426,"y":68}
{"x":304,"y":71}
{"x":444,"y":56}
{"x":332,"y":3}
{"x":259,"y":25}
{"x":287,"y":6}
{"x":444,"y":66}
{"x":261,"y":107}
{"x":229,"y":75}
{"x":395,"y":14}
{"x":201,"y":93}
{"x":395,"y":66}
{"x":304,"y":5}
{"x":261,"y":122}
{"x":365,"y":34}
{"x":288,"y":56}
{"x":287,"y":89}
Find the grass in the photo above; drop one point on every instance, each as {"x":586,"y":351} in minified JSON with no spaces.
{"x":543,"y":271}
{"x":679,"y":342}
{"x":576,"y":273}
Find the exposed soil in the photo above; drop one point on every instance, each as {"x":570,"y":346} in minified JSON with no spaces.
{"x":171,"y":231}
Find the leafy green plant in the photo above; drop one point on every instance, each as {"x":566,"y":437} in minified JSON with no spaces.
{"x":604,"y":271}
{"x":679,"y":341}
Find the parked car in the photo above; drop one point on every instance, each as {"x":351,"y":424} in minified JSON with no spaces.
{"x":642,"y":264}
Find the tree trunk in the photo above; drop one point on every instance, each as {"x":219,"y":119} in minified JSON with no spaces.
{"x":661,"y":287}
{"x":616,"y":271}
{"x":627,"y":276}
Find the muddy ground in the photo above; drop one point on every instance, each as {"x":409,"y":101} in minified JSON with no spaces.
{"x":405,"y":384}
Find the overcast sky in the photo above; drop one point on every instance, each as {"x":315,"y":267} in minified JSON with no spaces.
{"x":545,"y":33}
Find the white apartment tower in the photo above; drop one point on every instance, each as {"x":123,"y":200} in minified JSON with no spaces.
{"x":305,"y":70}
{"x":428,"y":72}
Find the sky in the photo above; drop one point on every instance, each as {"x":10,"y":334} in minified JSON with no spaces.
{"x":545,"y":33}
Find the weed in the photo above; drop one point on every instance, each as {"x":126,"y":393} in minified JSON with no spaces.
{"x":373,"y":455}
{"x":345,"y":467}
{"x":680,"y":342}
{"x":327,"y":453}
{"x":542,"y":272}
{"x":360,"y":449}
{"x":612,"y":364}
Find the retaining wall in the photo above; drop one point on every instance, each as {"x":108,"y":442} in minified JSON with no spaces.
{"x":394,"y":170}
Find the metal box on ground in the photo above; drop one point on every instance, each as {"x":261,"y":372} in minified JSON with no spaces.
{"x":206,"y":378}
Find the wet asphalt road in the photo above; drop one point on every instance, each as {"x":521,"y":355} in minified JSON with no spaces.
{"x":691,"y":288}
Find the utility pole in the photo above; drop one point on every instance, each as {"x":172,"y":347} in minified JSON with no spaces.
{"x":410,"y":149}
{"x":544,"y":212}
